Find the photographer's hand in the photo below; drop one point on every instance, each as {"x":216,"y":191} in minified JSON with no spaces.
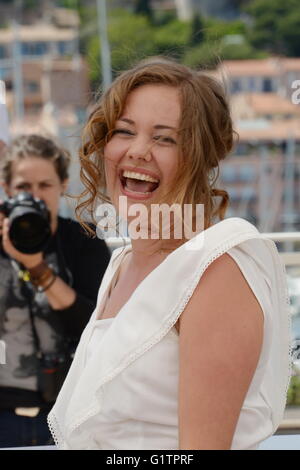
{"x":28,"y":261}
{"x":60,"y":295}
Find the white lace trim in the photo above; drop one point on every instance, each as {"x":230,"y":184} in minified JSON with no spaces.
{"x":285,"y":299}
{"x":54,"y":428}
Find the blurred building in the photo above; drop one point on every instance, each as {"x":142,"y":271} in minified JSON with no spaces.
{"x":271,"y":75}
{"x":270,"y":106}
{"x":263,"y":173}
{"x":47,"y":81}
{"x":186,"y":9}
{"x":56,"y":93}
{"x":43,"y":70}
{"x":35,"y":42}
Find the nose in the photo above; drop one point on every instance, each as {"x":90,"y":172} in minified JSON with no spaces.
{"x":36,"y":192}
{"x":140,"y":148}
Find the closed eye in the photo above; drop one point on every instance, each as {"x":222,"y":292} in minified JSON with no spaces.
{"x":164,"y":139}
{"x":161,"y":139}
{"x":121,"y":131}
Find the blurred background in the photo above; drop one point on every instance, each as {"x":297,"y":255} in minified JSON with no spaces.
{"x":57,"y":56}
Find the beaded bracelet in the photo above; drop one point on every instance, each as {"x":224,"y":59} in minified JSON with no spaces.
{"x":43,"y":289}
{"x":42,"y":280}
{"x":39,"y":276}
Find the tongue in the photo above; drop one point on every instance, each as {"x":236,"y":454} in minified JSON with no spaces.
{"x":140,"y":186}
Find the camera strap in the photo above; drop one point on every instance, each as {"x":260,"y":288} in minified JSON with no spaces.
{"x":28,"y":294}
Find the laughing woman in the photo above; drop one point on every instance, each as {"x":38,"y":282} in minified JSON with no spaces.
{"x":188,"y":347}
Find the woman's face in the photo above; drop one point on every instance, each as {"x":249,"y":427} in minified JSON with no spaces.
{"x":38,"y":177}
{"x":141,"y":158}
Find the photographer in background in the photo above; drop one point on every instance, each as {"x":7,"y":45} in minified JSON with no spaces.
{"x":4,"y":132}
{"x":46,"y":298}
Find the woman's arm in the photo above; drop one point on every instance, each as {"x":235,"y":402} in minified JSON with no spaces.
{"x":221,"y":334}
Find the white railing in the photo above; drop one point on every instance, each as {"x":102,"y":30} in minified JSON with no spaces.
{"x":290,"y":258}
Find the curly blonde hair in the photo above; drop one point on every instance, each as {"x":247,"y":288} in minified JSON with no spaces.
{"x":206,"y":136}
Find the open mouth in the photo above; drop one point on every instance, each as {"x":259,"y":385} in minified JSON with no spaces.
{"x":138,"y":182}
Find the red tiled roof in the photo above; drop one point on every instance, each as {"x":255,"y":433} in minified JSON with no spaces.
{"x":253,"y":67}
{"x":268,"y":130}
{"x":265,"y":103}
{"x":38,"y":32}
{"x":272,"y":66}
{"x":292,"y":64}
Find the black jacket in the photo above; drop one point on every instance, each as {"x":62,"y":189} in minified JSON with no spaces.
{"x":87,"y":259}
{"x":81,"y":262}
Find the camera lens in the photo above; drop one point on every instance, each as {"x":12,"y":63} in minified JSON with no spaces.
{"x":29,"y":223}
{"x":29,"y":232}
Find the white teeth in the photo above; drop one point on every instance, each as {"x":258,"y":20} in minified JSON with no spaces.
{"x":139,"y":176}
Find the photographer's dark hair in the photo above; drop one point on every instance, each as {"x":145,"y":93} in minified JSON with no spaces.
{"x":34,"y":145}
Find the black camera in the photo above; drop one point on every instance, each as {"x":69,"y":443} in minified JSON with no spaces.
{"x":29,"y":222}
{"x":51,"y":375}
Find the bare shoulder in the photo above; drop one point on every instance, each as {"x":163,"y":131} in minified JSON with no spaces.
{"x":221,"y":335}
{"x":223,"y":286}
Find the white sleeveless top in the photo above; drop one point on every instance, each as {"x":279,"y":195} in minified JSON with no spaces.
{"x":121,"y":390}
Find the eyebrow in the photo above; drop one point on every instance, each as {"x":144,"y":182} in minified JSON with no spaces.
{"x":27,"y":182}
{"x":157,"y":126}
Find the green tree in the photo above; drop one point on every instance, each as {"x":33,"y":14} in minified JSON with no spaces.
{"x":172,"y":38}
{"x":143,"y":7}
{"x":72,"y":4}
{"x":130,"y":38}
{"x":197,"y":30}
{"x":203,"y":56}
{"x":275,"y":26}
{"x":240,"y":3}
{"x":216,"y":29}
{"x":241,"y":51}
{"x":289,"y":29}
